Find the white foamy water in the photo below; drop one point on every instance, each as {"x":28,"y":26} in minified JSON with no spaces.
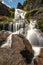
{"x":19,"y":14}
{"x":34,"y":35}
{"x":36,"y":50}
{"x":10,"y":26}
{"x":8,"y":42}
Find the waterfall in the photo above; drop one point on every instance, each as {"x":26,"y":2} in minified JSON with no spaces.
{"x":10,"y":26}
{"x":17,"y":25}
{"x":37,"y":51}
{"x":19,"y":14}
{"x":14,"y":25}
{"x":34,"y":35}
{"x":8,"y":42}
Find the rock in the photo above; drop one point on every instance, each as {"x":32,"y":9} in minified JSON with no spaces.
{"x":26,"y":43}
{"x":3,"y":36}
{"x":41,"y":53}
{"x":9,"y":57}
{"x":20,"y":6}
{"x":37,"y":3}
{"x":39,"y":14}
{"x":4,"y":11}
{"x":20,"y":53}
{"x":19,"y":42}
{"x":22,"y":46}
{"x":39,"y":59}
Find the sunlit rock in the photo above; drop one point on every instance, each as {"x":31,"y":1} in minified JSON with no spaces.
{"x":20,"y":48}
{"x":3,"y":36}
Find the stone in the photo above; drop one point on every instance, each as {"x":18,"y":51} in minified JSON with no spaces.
{"x":22,"y":46}
{"x":3,"y":36}
{"x":20,"y":53}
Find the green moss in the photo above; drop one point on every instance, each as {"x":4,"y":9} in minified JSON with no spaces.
{"x":30,"y":14}
{"x":40,"y":24}
{"x":5,"y":18}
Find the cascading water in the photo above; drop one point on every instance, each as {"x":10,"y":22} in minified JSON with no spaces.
{"x":35,"y":37}
{"x":18,"y":26}
{"x":8,"y":42}
{"x":14,"y":25}
{"x":33,"y":34}
{"x":10,"y":26}
{"x":19,"y":14}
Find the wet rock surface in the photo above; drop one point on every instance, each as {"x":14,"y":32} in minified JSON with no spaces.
{"x":3,"y":36}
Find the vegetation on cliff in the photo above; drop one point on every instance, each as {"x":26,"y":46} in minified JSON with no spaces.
{"x":6,"y":13}
{"x":34,"y":9}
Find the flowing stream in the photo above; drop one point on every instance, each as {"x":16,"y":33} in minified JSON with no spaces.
{"x":35,"y":37}
{"x":18,"y":26}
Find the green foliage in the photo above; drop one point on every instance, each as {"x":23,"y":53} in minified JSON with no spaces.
{"x":40,"y":24}
{"x":11,"y":10}
{"x":26,"y":4}
{"x":31,"y":13}
{"x":5,"y":18}
{"x":25,"y":9}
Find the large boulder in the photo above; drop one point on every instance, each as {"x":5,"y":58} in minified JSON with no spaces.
{"x":20,"y":42}
{"x":22,"y":46}
{"x":9,"y":57}
{"x":20,"y":52}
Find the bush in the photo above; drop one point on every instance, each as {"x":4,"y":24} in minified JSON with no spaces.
{"x":40,"y":24}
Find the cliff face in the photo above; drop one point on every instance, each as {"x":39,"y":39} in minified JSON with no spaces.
{"x":35,"y":7}
{"x":4,"y":10}
{"x":37,"y":3}
{"x":20,"y":6}
{"x":34,"y":10}
{"x":31,"y":4}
